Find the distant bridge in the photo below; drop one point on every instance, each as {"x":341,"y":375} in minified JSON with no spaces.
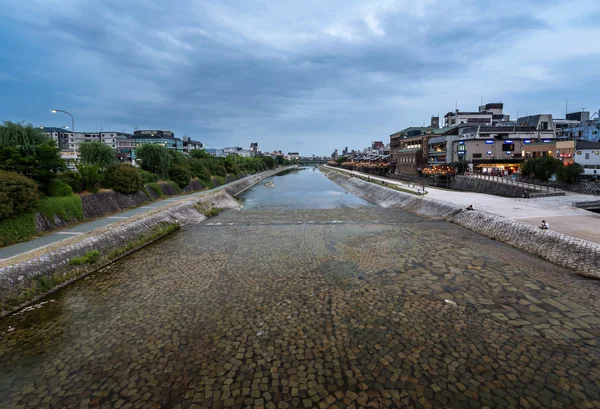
{"x":311,"y":162}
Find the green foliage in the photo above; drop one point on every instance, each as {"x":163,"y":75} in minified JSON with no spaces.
{"x":175,"y":186}
{"x":181,"y":175}
{"x":90,"y":257}
{"x":73,"y":179}
{"x":280,"y":160}
{"x":269,"y":162}
{"x":90,"y":177}
{"x":122,"y":178}
{"x":98,"y":154}
{"x":177,"y":158}
{"x":154,"y":158}
{"x":213,"y":211}
{"x":157,"y":232}
{"x":570,"y":173}
{"x":67,"y":208}
{"x":155,"y":187}
{"x":461,"y":166}
{"x":148,"y":177}
{"x":17,"y":228}
{"x":341,"y":160}
{"x":199,"y":168}
{"x":39,"y":162}
{"x":18,"y":194}
{"x":541,"y":168}
{"x":58,"y":188}
{"x":21,"y":136}
{"x":200,"y":154}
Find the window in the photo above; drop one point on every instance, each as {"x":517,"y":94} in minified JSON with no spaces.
{"x":508,"y":147}
{"x":477,"y":155}
{"x":587,"y":155}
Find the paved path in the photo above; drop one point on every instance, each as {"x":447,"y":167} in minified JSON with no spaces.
{"x":556,"y":210}
{"x":342,"y":308}
{"x":20,"y":248}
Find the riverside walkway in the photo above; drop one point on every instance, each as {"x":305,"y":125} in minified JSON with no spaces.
{"x":85,"y":227}
{"x":558,"y":211}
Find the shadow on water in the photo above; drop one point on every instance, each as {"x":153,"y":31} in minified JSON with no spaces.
{"x":303,"y":188}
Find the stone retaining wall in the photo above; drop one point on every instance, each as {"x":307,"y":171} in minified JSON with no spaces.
{"x":487,"y":186}
{"x":579,"y":255}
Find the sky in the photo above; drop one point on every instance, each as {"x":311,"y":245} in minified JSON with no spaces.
{"x":302,"y":76}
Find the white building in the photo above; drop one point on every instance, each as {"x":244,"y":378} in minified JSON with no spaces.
{"x":190,"y":145}
{"x":587,"y":154}
{"x":474,"y":118}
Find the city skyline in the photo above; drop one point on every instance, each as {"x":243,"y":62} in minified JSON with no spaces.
{"x":299,"y":77}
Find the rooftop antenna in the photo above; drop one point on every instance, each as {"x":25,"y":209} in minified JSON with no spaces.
{"x":481,"y":100}
{"x":566,"y":107}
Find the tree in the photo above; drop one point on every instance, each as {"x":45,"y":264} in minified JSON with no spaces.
{"x":541,"y":168}
{"x":18,"y":194}
{"x":269,"y":161}
{"x":342,"y":160}
{"x":39,"y":162}
{"x":154,"y":158}
{"x":200,"y":154}
{"x":181,"y":175}
{"x":123,"y":178}
{"x":21,"y":136}
{"x":280,"y":160}
{"x":570,"y":173}
{"x":97,"y":153}
{"x":461,"y":166}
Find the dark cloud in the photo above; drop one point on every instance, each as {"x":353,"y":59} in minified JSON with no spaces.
{"x":280,"y":74}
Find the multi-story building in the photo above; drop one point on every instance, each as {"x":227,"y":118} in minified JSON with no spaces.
{"x":587,"y":154}
{"x":164,"y":138}
{"x":497,"y":111}
{"x":60,"y":135}
{"x":293,"y":155}
{"x":476,"y":118}
{"x":540,"y":122}
{"x":254,"y":148}
{"x":587,"y":129}
{"x":190,"y":145}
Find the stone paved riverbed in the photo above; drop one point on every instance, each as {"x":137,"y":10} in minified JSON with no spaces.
{"x":342,"y":308}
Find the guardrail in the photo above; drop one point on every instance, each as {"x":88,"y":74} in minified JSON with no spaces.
{"x":587,"y":203}
{"x":514,"y":182}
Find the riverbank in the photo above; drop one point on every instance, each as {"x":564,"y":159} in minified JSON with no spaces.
{"x":557,"y":211}
{"x":579,"y":255}
{"x":33,"y":273}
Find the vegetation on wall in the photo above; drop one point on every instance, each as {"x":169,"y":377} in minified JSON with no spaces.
{"x":123,"y":178}
{"x":68,"y":208}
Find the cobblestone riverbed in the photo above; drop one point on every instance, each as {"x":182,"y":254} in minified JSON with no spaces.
{"x":340,"y":308}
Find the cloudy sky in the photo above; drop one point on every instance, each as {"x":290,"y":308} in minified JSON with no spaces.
{"x":295,"y":75}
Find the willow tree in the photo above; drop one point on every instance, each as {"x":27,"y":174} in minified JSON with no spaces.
{"x":22,"y":136}
{"x":97,"y":153}
{"x":154,"y":158}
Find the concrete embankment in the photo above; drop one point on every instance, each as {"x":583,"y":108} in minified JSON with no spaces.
{"x":29,"y":276}
{"x":579,"y":255}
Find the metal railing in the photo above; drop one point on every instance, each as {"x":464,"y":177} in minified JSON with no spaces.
{"x":514,"y":182}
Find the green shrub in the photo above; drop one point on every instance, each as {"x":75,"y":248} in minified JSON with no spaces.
{"x":570,"y":173}
{"x":91,"y":177}
{"x":90,"y":257}
{"x":73,"y":179}
{"x":17,"y":228}
{"x":122,"y":178}
{"x":58,"y":188}
{"x":66,"y":208}
{"x":155,"y":187}
{"x":18,"y":194}
{"x":175,"y":186}
{"x":181,"y":175}
{"x":148,"y":177}
{"x":213,"y":211}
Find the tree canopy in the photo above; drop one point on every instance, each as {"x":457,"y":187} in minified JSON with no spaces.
{"x":154,"y":158}
{"x":22,"y":136}
{"x":541,"y":168}
{"x":97,"y":153}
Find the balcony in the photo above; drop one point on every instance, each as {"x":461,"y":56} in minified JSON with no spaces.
{"x":436,"y":153}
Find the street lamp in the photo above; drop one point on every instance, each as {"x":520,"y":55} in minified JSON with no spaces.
{"x":72,"y":129}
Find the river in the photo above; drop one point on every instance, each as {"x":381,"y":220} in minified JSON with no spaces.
{"x":310,"y":297}
{"x":305,"y":188}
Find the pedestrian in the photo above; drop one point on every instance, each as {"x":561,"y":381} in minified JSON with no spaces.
{"x":544,"y":225}
{"x":470,"y":207}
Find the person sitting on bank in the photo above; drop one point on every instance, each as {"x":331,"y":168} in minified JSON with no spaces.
{"x":544,"y":225}
{"x":470,"y":207}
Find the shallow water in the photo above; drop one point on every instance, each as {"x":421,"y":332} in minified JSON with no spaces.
{"x":306,"y":188}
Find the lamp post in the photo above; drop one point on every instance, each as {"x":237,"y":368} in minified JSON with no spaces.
{"x":72,"y":129}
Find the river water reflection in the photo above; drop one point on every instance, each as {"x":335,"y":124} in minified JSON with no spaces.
{"x":305,"y":188}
